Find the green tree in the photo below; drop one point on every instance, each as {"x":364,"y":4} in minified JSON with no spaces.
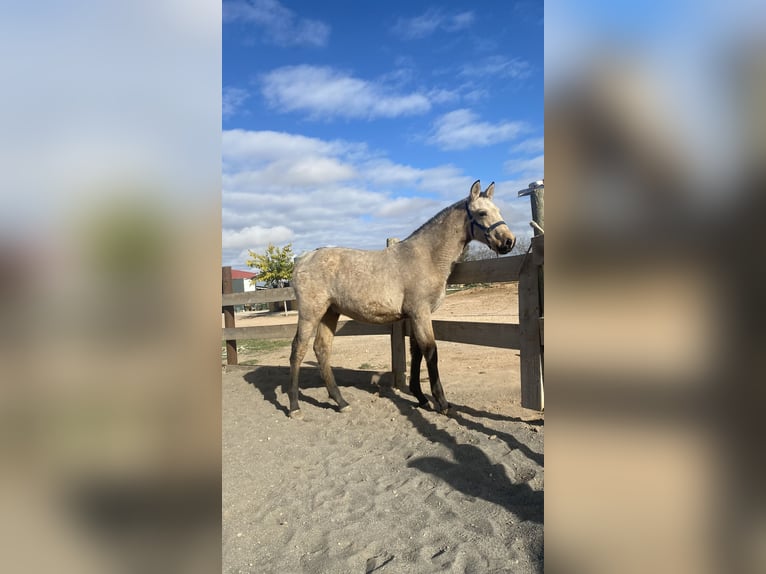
{"x":275,"y":266}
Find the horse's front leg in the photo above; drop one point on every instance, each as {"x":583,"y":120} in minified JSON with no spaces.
{"x":416,"y":357}
{"x":436,"y":385}
{"x":424,"y":335}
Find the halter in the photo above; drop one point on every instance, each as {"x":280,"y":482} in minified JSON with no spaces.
{"x":484,"y":228}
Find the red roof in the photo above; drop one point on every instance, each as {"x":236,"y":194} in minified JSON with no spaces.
{"x":237,"y":274}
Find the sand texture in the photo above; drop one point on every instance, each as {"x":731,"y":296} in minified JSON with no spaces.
{"x":386,"y":487}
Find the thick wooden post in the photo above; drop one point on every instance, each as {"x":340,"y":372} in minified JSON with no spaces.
{"x":398,"y":346}
{"x":228,"y":317}
{"x":538,"y":259}
{"x":532,"y":394}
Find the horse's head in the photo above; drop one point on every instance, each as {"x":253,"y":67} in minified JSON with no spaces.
{"x":484,"y":221}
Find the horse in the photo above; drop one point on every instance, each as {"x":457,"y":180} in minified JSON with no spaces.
{"x":405,"y":280}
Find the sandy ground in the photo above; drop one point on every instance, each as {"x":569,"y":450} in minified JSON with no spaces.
{"x":386,"y":487}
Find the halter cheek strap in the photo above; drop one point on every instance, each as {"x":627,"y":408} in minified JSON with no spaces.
{"x":484,"y":228}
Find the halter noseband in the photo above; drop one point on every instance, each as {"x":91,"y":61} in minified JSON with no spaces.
{"x":484,"y":228}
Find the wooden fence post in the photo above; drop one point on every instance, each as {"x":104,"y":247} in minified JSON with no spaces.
{"x":532,"y":394}
{"x":398,"y":347}
{"x":536,"y":193}
{"x":228,"y":317}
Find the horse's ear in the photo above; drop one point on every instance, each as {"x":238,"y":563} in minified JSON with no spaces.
{"x":475,"y":190}
{"x":490,"y":190}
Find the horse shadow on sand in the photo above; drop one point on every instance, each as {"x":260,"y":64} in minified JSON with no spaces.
{"x":272,"y":381}
{"x":471,"y":471}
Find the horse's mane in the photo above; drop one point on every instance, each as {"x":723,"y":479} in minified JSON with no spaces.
{"x":436,"y":218}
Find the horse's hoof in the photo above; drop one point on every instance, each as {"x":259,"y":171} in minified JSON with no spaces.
{"x":296,"y":414}
{"x":344,"y":409}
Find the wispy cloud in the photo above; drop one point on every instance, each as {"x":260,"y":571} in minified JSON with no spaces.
{"x":531,"y":145}
{"x":233,"y":99}
{"x":326,"y":93}
{"x":498,"y":67}
{"x":529,"y":12}
{"x":280,"y":25}
{"x":526,"y":167}
{"x":430,"y":21}
{"x":462,"y":129}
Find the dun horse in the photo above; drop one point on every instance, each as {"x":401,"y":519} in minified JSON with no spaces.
{"x":407,"y":279}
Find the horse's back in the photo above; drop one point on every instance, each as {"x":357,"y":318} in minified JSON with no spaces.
{"x":361,"y":284}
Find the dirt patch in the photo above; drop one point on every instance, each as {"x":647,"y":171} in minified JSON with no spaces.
{"x":387,"y":487}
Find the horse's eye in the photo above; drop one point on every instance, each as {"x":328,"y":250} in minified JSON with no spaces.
{"x":481,"y":214}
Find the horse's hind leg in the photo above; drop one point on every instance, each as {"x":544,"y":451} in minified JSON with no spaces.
{"x":323,"y":349}
{"x":300,"y":346}
{"x":416,"y":358}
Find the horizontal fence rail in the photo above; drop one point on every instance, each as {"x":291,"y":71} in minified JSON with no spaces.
{"x":345,"y":328}
{"x":255,"y":297}
{"x":500,"y":335}
{"x":502,"y":269}
{"x":525,"y":336}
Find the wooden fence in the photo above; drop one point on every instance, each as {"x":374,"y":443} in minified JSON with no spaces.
{"x":526,"y":335}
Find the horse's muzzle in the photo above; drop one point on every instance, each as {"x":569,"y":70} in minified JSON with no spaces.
{"x":506,"y":246}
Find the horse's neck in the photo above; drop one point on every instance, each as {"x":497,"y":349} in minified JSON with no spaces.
{"x":443,"y":241}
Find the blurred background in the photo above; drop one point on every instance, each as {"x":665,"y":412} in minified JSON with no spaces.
{"x":655,"y":143}
{"x":109,"y":281}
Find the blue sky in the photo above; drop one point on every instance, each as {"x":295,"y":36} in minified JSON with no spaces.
{"x":345,"y":123}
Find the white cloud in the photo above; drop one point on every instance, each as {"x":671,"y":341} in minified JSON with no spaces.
{"x":384,"y":171}
{"x":290,"y":173}
{"x":239,"y":145}
{"x":444,"y":180}
{"x":407,"y":206}
{"x":531,"y":145}
{"x":462,"y":129}
{"x":430,"y":21}
{"x":279,"y":25}
{"x":532,"y":167}
{"x":325,"y":93}
{"x":272,"y":160}
{"x":254,"y":237}
{"x":282,"y":187}
{"x":233,"y":98}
